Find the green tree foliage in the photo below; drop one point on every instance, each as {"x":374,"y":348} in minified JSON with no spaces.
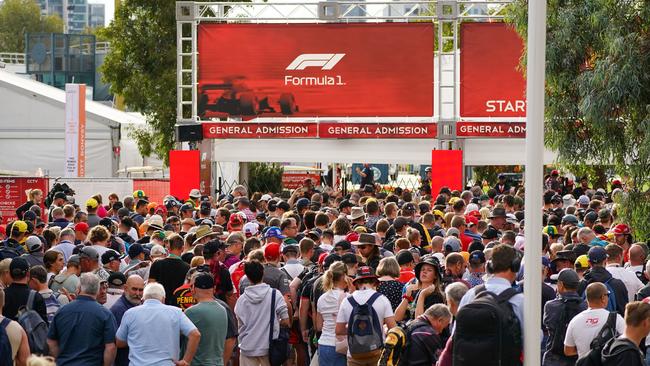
{"x":264,"y":177}
{"x":597,"y":90}
{"x":141,"y":67}
{"x":18,"y":17}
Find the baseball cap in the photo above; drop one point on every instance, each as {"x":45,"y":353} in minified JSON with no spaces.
{"x":471,"y":220}
{"x":570,"y":219}
{"x":92,"y":203}
{"x":117,"y":279}
{"x":212,"y":247}
{"x":582,"y":262}
{"x":583,"y":200}
{"x":81,"y":226}
{"x":265,"y":197}
{"x":621,"y":229}
{"x":344,"y":204}
{"x":321,"y":258}
{"x":33,"y":244}
{"x":314,"y":235}
{"x":283,"y":205}
{"x":109,"y":256}
{"x":597,"y":254}
{"x":290,"y":249}
{"x":344,"y":245}
{"x":273,"y":232}
{"x":135,"y":250}
{"x":251,"y":229}
{"x":186,"y":207}
{"x":302,"y":203}
{"x":29,"y":215}
{"x":106,"y":222}
{"x":205,"y":207}
{"x":404,"y":257}
{"x":195,"y":193}
{"x":490,"y":233}
{"x":569,"y":277}
{"x":477,"y":256}
{"x":73,"y":260}
{"x":409,"y":207}
{"x":88,"y":252}
{"x":272,"y":251}
{"x":330,"y":259}
{"x":204,"y":281}
{"x":452,"y":231}
{"x":452,"y":244}
{"x":399,"y":223}
{"x":139,"y":194}
{"x":591,"y":216}
{"x":20,"y":225}
{"x":555,"y":172}
{"x":546,"y":262}
{"x":19,"y":266}
{"x":59,"y":195}
{"x":550,"y":230}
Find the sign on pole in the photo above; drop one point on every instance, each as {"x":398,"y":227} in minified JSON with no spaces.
{"x":75,"y":130}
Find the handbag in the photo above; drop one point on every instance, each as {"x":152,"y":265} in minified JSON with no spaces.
{"x":279,"y":347}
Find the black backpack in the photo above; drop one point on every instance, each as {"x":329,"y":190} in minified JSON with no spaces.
{"x":570,"y":308}
{"x":607,"y":332}
{"x":6,"y":251}
{"x":35,"y":327}
{"x":487,"y":331}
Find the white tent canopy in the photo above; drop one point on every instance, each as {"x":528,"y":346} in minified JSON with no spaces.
{"x":32,"y":131}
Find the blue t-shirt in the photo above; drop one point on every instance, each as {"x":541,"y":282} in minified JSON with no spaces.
{"x":82,"y":328}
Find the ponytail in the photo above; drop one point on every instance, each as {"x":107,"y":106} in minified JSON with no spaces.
{"x":336,"y":271}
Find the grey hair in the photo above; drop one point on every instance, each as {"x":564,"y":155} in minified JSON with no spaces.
{"x":585,"y":233}
{"x":67,"y":232}
{"x":438,"y":311}
{"x":236,"y":237}
{"x":241,"y":189}
{"x":455,"y":292}
{"x":89,"y":283}
{"x":154,"y":291}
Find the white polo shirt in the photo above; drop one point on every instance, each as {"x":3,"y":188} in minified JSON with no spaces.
{"x":584,"y":327}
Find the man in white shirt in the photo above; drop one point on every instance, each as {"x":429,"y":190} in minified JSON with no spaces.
{"x":584,"y":327}
{"x":366,"y":282}
{"x":637,"y":259}
{"x":614,"y":260}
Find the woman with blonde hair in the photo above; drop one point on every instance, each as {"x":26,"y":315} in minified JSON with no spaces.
{"x":426,"y":291}
{"x":335,"y":283}
{"x":34,"y":197}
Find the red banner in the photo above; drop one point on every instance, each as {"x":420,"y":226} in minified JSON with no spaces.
{"x":295,"y":180}
{"x":12,"y":194}
{"x":334,"y":130}
{"x":315,"y":69}
{"x":491,"y":129}
{"x":184,"y":172}
{"x":254,"y":130}
{"x":490,"y":83}
{"x":448,"y":168}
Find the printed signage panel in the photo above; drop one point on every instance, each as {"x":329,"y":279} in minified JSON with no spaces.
{"x":315,"y":70}
{"x":75,"y":130}
{"x":491,"y":129}
{"x":12,"y":195}
{"x":490,"y":83}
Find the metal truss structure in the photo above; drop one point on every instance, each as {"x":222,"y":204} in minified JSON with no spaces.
{"x":445,"y":14}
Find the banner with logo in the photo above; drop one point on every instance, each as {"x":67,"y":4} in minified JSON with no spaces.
{"x":316,"y":70}
{"x":313,"y":130}
{"x":75,"y":130}
{"x":491,"y":129}
{"x":490,"y":83}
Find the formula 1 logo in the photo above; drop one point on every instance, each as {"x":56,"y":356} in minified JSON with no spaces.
{"x":326,"y":61}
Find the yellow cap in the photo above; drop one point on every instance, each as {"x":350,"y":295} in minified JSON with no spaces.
{"x":92,"y":203}
{"x":453,"y":200}
{"x":19,"y":225}
{"x":439,"y":214}
{"x":582,"y":262}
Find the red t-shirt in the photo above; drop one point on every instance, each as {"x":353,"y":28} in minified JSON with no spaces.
{"x":405,"y":275}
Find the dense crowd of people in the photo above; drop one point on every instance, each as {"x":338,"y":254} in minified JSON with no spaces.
{"x":321,"y":278}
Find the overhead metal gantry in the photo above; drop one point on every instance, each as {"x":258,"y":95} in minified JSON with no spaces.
{"x":446,"y":16}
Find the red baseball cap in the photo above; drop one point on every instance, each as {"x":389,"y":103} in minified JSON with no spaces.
{"x":352,"y":237}
{"x":272,"y":251}
{"x":81,"y":226}
{"x":616,"y":182}
{"x":474,"y":213}
{"x":621,"y":229}
{"x":470,"y":219}
{"x":161,"y":208}
{"x":555,"y":172}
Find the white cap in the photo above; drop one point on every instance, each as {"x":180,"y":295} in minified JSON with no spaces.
{"x":265,"y":197}
{"x":195,"y":193}
{"x":251,"y":228}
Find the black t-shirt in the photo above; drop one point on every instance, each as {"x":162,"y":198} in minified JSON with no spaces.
{"x":16,"y":296}
{"x":169,"y":272}
{"x":369,"y":178}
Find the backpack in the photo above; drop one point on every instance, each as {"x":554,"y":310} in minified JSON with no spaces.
{"x":8,"y":252}
{"x":571,"y":308}
{"x":35,"y":327}
{"x":6,"y":357}
{"x":611,"y":299}
{"x":364,"y":328}
{"x":607,"y":332}
{"x":52,"y":305}
{"x":487,"y":331}
{"x":394,"y":347}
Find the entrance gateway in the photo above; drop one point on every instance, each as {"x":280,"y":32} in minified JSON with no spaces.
{"x":347,"y":82}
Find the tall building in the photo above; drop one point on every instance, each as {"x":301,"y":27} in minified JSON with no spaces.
{"x":96,"y":14}
{"x":77,"y":18}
